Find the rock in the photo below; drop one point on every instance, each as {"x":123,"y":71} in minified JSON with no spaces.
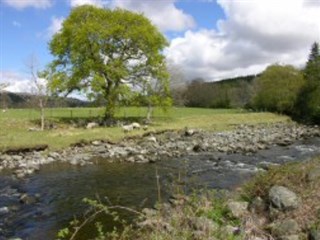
{"x":96,"y":143}
{"x":285,"y":228}
{"x":145,"y":127}
{"x":141,"y":159}
{"x":151,"y":139}
{"x":314,"y":235}
{"x":26,"y":199}
{"x":203,"y":224}
{"x":4,"y":210}
{"x":290,"y":237}
{"x":17,"y":158}
{"x":149,"y":212}
{"x":238,"y":209}
{"x":258,"y":205}
{"x":54,"y":155}
{"x":284,"y":142}
{"x":313,"y":175}
{"x":91,"y":125}
{"x":282,"y":198}
{"x":188,"y":132}
{"x":197,"y":148}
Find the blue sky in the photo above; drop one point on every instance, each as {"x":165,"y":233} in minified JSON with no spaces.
{"x":213,"y":39}
{"x":25,"y":31}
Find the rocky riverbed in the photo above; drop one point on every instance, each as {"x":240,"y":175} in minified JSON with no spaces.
{"x":152,"y":146}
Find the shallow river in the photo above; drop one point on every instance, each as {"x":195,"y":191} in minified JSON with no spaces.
{"x":60,"y":188}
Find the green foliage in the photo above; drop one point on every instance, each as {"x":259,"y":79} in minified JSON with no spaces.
{"x":227,"y":93}
{"x":100,"y":51}
{"x":308,"y":103}
{"x":277,"y":89}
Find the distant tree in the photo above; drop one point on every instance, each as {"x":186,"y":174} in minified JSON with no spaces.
{"x":308,"y":103}
{"x":178,"y":84}
{"x":3,"y":94}
{"x":101,"y":51}
{"x":277,"y":89}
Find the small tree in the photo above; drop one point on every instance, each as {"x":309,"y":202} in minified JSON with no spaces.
{"x":101,"y":50}
{"x":178,"y":84}
{"x":39,"y":90}
{"x":156,"y":92}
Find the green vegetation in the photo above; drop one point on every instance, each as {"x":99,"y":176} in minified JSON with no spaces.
{"x":277,"y":89}
{"x":108,"y":53}
{"x":16,"y":122}
{"x":228,"y":93}
{"x":308,"y":104}
{"x":280,"y":89}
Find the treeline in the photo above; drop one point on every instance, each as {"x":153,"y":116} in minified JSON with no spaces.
{"x":280,"y":88}
{"x":24,"y":100}
{"x":229,"y":93}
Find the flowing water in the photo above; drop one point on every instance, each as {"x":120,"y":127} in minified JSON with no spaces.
{"x":59,"y":188}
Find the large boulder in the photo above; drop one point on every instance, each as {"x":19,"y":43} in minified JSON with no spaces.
{"x":285,"y":228}
{"x":283,"y":198}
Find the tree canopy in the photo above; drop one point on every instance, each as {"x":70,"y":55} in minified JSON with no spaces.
{"x":308,"y":104}
{"x":277,"y":89}
{"x":107,"y":52}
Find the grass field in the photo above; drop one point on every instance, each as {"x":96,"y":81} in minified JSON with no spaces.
{"x":14,"y":123}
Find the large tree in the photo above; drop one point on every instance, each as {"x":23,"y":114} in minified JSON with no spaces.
{"x":277,"y":89}
{"x":103,"y":52}
{"x":308,"y":104}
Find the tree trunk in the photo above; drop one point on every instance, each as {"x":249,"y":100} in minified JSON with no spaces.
{"x":41,"y":114}
{"x":149,"y":113}
{"x":110,"y":107}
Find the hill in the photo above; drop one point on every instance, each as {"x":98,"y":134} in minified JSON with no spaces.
{"x":26,"y":100}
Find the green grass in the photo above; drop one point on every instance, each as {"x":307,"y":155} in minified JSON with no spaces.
{"x":14,"y":123}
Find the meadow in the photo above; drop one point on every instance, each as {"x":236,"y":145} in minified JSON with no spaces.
{"x":16,"y":123}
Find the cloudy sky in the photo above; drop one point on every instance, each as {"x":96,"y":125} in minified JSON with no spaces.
{"x":212,"y":39}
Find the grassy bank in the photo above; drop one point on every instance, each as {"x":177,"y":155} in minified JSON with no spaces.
{"x":15,"y":123}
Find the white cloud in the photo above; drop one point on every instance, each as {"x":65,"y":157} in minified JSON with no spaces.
{"x":16,"y":82}
{"x":20,"y":83}
{"x":174,"y":20}
{"x":164,"y":14}
{"x":21,"y":4}
{"x":16,"y":24}
{"x":55,"y":26}
{"x":98,"y":3}
{"x":253,"y":35}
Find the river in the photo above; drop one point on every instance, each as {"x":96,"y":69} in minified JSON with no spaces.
{"x":57,"y":189}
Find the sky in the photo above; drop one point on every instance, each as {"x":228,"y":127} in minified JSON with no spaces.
{"x":211,"y":39}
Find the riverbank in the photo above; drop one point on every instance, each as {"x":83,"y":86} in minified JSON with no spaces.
{"x":156,"y":146}
{"x":282,"y":203}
